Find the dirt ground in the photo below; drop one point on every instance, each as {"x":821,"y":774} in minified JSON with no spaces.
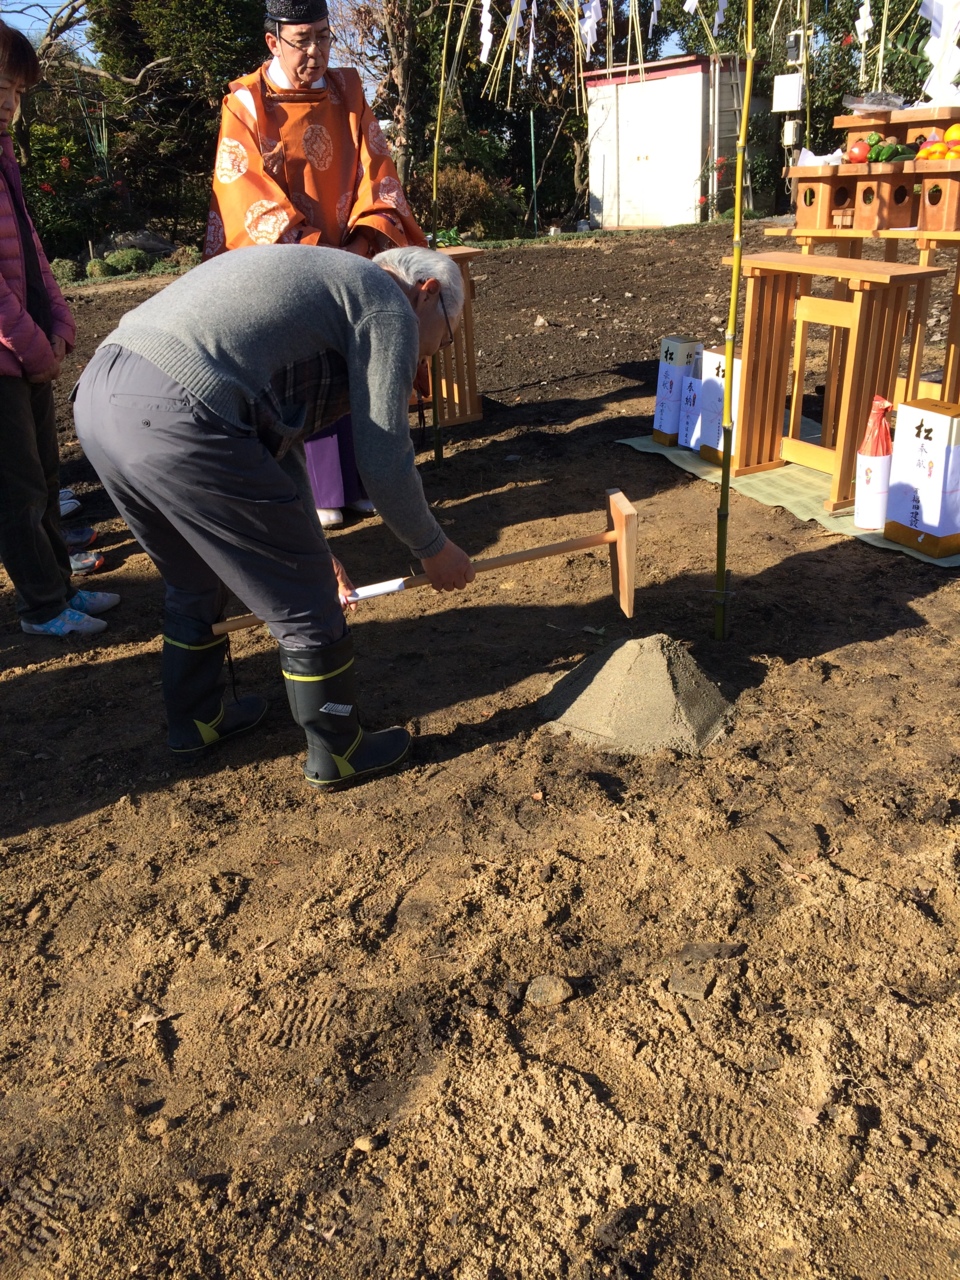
{"x":250,"y":1031}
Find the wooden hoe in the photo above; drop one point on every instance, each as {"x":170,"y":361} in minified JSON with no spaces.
{"x":620,"y":536}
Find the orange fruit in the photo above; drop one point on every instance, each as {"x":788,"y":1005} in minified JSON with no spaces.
{"x":952,"y":134}
{"x":936,"y":151}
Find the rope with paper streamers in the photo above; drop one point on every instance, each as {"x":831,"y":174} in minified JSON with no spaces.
{"x":584,"y":27}
{"x":509,"y":46}
{"x":693,"y":7}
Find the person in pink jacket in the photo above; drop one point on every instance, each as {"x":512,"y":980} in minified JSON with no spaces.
{"x":36,"y":332}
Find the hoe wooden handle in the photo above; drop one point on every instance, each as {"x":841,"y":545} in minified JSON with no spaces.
{"x":621,"y":537}
{"x":421,"y":579}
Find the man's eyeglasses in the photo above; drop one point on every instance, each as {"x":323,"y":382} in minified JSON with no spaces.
{"x":443,"y":308}
{"x":323,"y":41}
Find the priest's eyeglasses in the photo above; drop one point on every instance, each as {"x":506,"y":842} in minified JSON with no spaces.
{"x":322,"y":41}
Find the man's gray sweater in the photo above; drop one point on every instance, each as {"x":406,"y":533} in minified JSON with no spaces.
{"x":226,"y":327}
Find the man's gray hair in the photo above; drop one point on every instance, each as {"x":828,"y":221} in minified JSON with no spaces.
{"x":414,"y":266}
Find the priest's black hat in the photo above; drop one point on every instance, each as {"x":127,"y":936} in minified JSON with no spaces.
{"x":295,"y":12}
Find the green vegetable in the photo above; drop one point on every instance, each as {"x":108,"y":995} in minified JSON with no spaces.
{"x":874,"y":153}
{"x":888,"y":152}
{"x":873,"y":139}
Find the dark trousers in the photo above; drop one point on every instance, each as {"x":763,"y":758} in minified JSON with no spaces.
{"x":207,"y":502}
{"x":31,"y":546}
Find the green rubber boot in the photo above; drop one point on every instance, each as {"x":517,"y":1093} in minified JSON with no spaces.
{"x":321,"y":689}
{"x":191,"y":664}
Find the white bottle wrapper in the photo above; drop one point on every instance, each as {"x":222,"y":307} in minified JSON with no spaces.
{"x":872,"y":491}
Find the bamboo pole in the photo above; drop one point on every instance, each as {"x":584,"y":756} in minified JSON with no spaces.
{"x":435,"y":363}
{"x":722,"y":594}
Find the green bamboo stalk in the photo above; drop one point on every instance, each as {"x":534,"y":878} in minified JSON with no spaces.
{"x":441,"y":103}
{"x":721,"y":595}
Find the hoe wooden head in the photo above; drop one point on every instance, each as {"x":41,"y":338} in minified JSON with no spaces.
{"x":622,"y":521}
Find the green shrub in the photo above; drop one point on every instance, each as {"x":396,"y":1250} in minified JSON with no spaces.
{"x":126,"y":260}
{"x":65,"y":271}
{"x":186,"y":256}
{"x":165,"y":267}
{"x":99,"y":269}
{"x":467,"y":200}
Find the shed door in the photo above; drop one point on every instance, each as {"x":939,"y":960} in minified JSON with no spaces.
{"x":604,"y":181}
{"x":661,"y":150}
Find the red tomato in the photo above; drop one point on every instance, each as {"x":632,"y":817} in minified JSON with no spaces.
{"x":858,"y":153}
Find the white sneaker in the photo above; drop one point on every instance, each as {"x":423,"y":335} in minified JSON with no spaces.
{"x":330,"y":517}
{"x":65,"y":622}
{"x":93,"y":601}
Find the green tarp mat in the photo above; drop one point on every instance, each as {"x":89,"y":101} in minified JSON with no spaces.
{"x":801,"y":491}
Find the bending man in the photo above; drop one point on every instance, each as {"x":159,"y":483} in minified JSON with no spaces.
{"x":193,"y":412}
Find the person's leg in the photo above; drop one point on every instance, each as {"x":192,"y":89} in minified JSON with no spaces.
{"x":45,"y":417}
{"x":321,"y":690}
{"x":31,"y":547}
{"x":185,"y":479}
{"x":192,"y":657}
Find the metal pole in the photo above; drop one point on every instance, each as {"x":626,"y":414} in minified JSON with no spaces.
{"x":533,"y":171}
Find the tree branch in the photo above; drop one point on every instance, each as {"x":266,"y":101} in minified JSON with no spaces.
{"x":90,"y":70}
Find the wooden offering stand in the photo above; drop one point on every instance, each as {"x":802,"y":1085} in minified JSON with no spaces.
{"x":872,"y":319}
{"x":879,"y":197}
{"x":458,"y":399}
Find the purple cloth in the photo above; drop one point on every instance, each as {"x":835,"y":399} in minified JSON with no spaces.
{"x":332,"y":466}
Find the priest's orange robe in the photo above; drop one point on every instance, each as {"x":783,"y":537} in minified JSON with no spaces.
{"x":307,"y":166}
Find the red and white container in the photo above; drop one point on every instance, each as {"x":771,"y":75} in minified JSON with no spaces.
{"x":873,"y":468}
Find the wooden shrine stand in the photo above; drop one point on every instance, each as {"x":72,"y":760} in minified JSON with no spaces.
{"x":458,"y":400}
{"x":929,"y":244}
{"x":868,"y":315}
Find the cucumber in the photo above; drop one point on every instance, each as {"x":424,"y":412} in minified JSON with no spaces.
{"x":874,"y":153}
{"x":888,"y":152}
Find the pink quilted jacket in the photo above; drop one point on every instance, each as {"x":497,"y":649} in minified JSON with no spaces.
{"x":24,"y":348}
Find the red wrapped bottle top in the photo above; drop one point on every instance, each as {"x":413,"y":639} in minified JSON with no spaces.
{"x":877,"y":441}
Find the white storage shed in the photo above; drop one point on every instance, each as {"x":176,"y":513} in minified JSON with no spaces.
{"x":654,"y":142}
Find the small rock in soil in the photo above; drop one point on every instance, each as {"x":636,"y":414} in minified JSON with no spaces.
{"x":548,"y":990}
{"x":690,"y":981}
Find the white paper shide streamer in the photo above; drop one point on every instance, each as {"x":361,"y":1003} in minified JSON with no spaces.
{"x":864,"y":23}
{"x":592,"y":13}
{"x":941,"y":50}
{"x":486,"y":31}
{"x":863,"y":26}
{"x":533,"y":26}
{"x":516,"y":18}
{"x":653,"y":17}
{"x":721,"y":10}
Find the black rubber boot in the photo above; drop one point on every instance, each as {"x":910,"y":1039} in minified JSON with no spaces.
{"x":197,"y":716}
{"x":321,"y":688}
